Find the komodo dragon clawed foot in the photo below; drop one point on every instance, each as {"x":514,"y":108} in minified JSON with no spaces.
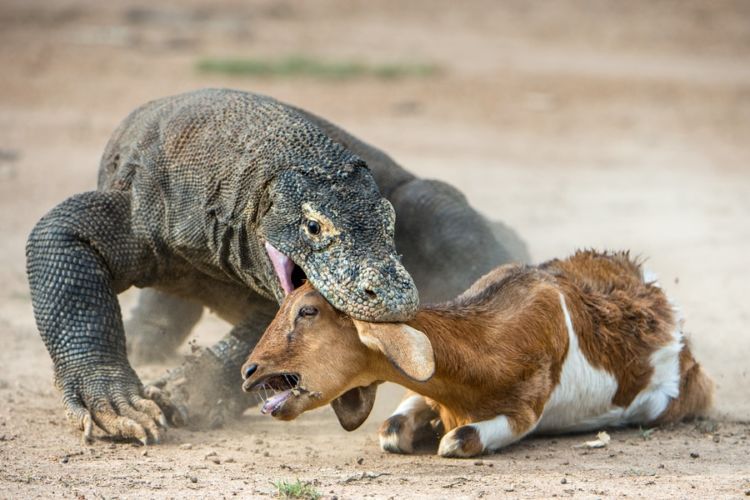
{"x":202,"y":392}
{"x":205,"y":387}
{"x":119,"y":405}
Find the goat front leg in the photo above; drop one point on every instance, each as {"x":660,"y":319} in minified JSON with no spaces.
{"x":488,"y":435}
{"x":407,"y":425}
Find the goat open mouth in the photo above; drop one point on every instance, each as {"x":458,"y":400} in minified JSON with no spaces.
{"x":290,"y":275}
{"x":274,"y":390}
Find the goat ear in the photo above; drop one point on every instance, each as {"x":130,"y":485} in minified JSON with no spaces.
{"x":354,"y":406}
{"x":407,"y":348}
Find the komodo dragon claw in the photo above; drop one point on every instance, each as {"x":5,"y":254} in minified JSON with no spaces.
{"x":120,"y":406}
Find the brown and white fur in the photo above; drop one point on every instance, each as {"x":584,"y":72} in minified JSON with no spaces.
{"x":570,"y":345}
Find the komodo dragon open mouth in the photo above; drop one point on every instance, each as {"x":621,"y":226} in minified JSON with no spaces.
{"x":290,"y":275}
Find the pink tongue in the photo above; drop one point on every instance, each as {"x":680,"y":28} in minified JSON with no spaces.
{"x":283,"y":266}
{"x":275,"y":401}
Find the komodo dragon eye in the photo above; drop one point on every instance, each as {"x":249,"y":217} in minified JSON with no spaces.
{"x":313,"y":227}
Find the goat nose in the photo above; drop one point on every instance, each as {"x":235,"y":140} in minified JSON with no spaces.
{"x":249,"y":370}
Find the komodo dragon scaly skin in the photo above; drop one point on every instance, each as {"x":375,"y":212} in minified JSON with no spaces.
{"x":228,"y":199}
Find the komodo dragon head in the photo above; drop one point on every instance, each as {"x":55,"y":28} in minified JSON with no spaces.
{"x":333,"y":228}
{"x":283,"y":201}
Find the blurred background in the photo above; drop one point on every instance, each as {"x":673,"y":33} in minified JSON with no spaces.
{"x":607,"y":124}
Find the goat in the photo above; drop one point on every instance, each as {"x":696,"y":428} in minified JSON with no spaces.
{"x":569,"y":345}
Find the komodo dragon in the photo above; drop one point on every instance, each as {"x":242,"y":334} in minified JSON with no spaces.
{"x":228,"y":199}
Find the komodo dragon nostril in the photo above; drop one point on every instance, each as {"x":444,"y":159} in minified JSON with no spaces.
{"x":249,"y":371}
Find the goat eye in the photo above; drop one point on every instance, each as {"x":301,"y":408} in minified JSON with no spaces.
{"x":313,"y":227}
{"x":308,"y":311}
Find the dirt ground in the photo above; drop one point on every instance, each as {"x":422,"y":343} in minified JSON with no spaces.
{"x":582,"y":124}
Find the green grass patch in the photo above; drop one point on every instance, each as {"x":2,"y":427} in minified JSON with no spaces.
{"x":296,"y":489}
{"x":646,"y":433}
{"x":303,"y":66}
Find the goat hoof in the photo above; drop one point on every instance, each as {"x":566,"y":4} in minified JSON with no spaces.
{"x":396,"y":435}
{"x":461,"y":442}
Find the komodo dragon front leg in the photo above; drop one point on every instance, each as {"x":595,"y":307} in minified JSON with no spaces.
{"x":79,"y":257}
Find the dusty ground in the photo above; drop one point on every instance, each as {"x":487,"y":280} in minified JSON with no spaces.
{"x":605,"y":124}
